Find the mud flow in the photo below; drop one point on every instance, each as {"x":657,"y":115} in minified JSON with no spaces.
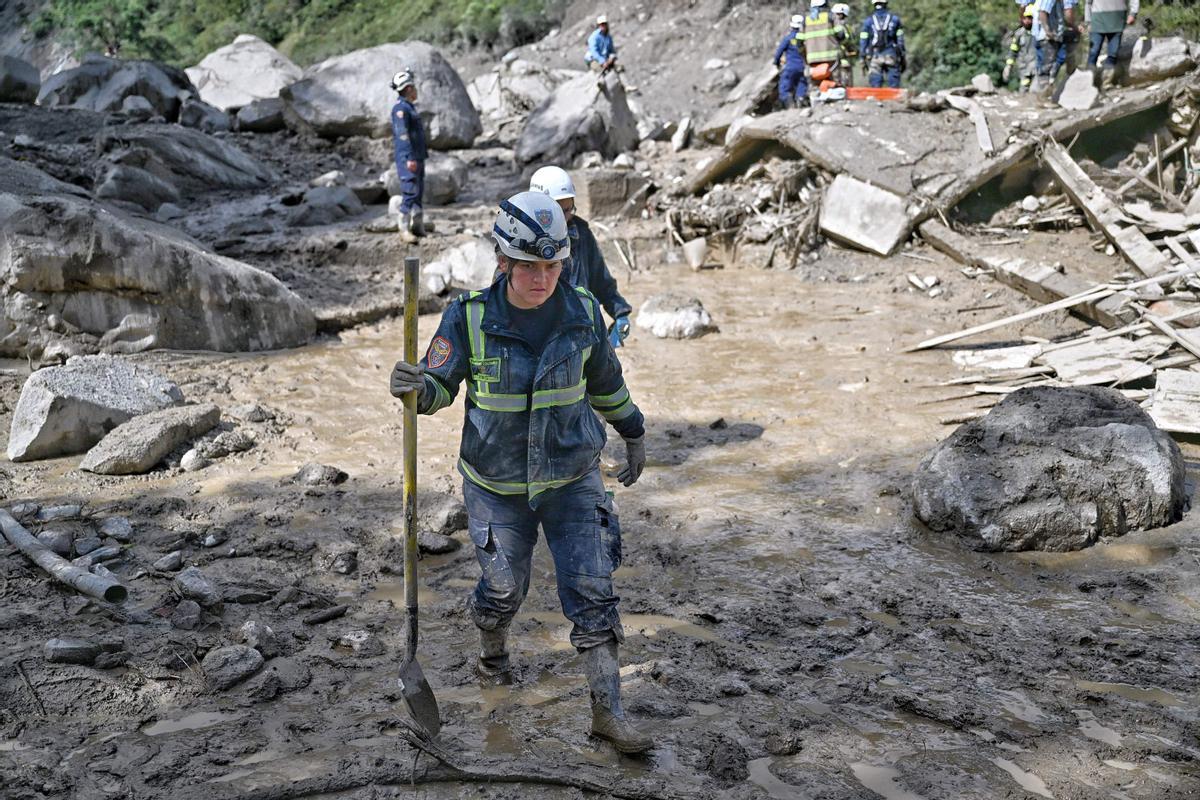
{"x":789,"y":632}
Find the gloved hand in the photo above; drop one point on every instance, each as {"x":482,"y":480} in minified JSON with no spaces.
{"x":635,"y":461}
{"x":1006,"y":75}
{"x":619,"y":331}
{"x":406,"y":378}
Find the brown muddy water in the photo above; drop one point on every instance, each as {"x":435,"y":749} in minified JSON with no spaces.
{"x":790,"y":632}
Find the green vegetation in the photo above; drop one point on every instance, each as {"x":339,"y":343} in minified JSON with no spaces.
{"x":949,"y":40}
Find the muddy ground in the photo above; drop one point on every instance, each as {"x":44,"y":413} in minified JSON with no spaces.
{"x":791,"y":632}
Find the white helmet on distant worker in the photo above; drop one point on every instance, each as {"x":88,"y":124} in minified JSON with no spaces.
{"x":816,"y":4}
{"x":797,"y":21}
{"x":602,"y":19}
{"x":532,"y":227}
{"x":553,"y":181}
{"x":841,"y":8}
{"x":402,"y":80}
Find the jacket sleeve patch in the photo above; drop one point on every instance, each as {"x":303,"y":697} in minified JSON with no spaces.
{"x":439,"y":352}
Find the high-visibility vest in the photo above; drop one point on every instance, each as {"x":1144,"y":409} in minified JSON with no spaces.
{"x":820,"y":39}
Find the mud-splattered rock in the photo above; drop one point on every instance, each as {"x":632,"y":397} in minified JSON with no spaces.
{"x":674,"y":316}
{"x":784,"y":743}
{"x":1052,"y":469}
{"x":68,"y":650}
{"x":19,"y":80}
{"x":471,"y":265}
{"x":138,"y":446}
{"x":1160,"y":58}
{"x":202,"y":116}
{"x":186,"y":615}
{"x":118,"y":528}
{"x":67,"y":409}
{"x":170,"y":562}
{"x":87,"y":544}
{"x":102,"y":84}
{"x":245,"y":71}
{"x":731,"y":686}
{"x":436,"y":544}
{"x":192,"y":584}
{"x":363,"y":644}
{"x":724,"y":759}
{"x":262,"y":116}
{"x":326,"y":205}
{"x":440,"y":513}
{"x":227,"y":666}
{"x":59,"y":541}
{"x":279,"y":676}
{"x":252,"y":412}
{"x":227,"y":443}
{"x":59,"y":513}
{"x":188,"y":159}
{"x":194,"y":461}
{"x":215,"y":538}
{"x":261,"y":637}
{"x":313,"y":474}
{"x":576,"y":118}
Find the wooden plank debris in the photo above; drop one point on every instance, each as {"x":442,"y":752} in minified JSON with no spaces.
{"x":1103,"y":213}
{"x":1107,"y":362}
{"x":1175,"y":404}
{"x":975,"y":111}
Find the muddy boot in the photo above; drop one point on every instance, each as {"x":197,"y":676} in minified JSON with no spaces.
{"x":608,"y":718}
{"x":493,"y":667}
{"x":406,"y":234}
{"x":418,"y":223}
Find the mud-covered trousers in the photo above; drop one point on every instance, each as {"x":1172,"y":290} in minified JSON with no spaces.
{"x":793,"y":85}
{"x":584,"y":537}
{"x":412,"y":187}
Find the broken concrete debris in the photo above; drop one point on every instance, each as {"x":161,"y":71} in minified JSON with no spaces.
{"x":864,"y":215}
{"x":139,"y":445}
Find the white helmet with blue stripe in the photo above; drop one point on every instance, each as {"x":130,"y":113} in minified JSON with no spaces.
{"x":532,"y":227}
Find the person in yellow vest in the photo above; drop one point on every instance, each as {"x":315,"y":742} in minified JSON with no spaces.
{"x":822,"y":37}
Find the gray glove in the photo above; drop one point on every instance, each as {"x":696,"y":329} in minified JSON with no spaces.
{"x":407,"y":378}
{"x":635,"y":461}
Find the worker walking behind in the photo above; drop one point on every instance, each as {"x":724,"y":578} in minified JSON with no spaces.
{"x":821,"y":37}
{"x":1056,"y":32}
{"x":540,"y":374}
{"x":1022,"y":53}
{"x":408,"y":140}
{"x":601,"y":52}
{"x":789,"y":57}
{"x":585,"y":266}
{"x":881,"y":44}
{"x":1106,"y":21}
{"x":849,"y":45}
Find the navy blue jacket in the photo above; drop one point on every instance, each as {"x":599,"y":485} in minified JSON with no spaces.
{"x":586,"y":267}
{"x":791,"y":46}
{"x":531,"y":421}
{"x":408,"y":134}
{"x":882,"y":35}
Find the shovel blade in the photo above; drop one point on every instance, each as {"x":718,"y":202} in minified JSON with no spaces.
{"x":422,"y":705}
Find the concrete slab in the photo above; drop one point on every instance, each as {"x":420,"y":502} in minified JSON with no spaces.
{"x":865,"y":216}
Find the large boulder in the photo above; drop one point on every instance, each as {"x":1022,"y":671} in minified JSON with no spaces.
{"x":604,"y":191}
{"x":241,"y":72}
{"x":67,"y":409}
{"x":325,"y":205}
{"x":136,"y":185}
{"x":445,"y":177}
{"x":1052,"y":469}
{"x":471,"y":265}
{"x":262,"y":116}
{"x":1159,"y":59}
{"x":137,"y":446}
{"x":515,"y":87}
{"x":675,"y":316}
{"x":19,"y":81}
{"x":202,"y":116}
{"x":102,"y":84}
{"x":582,"y":115}
{"x":69,"y":265}
{"x":754,"y":95}
{"x":23,"y":178}
{"x":350,"y":95}
{"x":188,"y":159}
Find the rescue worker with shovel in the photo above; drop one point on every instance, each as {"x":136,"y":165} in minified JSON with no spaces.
{"x":540,"y":373}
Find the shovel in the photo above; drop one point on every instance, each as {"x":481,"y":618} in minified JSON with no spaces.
{"x":417,"y":694}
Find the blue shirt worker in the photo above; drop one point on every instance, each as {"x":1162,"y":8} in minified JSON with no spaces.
{"x":789,"y":55}
{"x":881,"y":44}
{"x":411,"y":152}
{"x":541,"y":376}
{"x":1055,"y":31}
{"x":601,"y":53}
{"x":585,"y":266}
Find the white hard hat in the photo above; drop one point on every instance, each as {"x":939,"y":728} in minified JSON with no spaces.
{"x":553,"y":181}
{"x":602,"y":19}
{"x":402,"y":80}
{"x":797,"y":20}
{"x":532,"y":227}
{"x":817,"y":4}
{"x":841,"y":8}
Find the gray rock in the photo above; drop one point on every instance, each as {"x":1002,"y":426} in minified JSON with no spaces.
{"x":445,"y":178}
{"x":755,"y":93}
{"x":326,"y":205}
{"x":1052,"y":469}
{"x":24,"y":512}
{"x":514,"y":88}
{"x":332,"y":178}
{"x":137,"y":108}
{"x":721,"y":81}
{"x":312,"y":474}
{"x":243,"y":72}
{"x":100,"y":554}
{"x":682,"y":135}
{"x":1159,"y":59}
{"x":66,"y":650}
{"x":191,"y":584}
{"x":349,"y":95}
{"x":136,"y":185}
{"x":1080,"y":91}
{"x":983,"y":83}
{"x":471,"y":265}
{"x":194,"y":461}
{"x":118,"y":528}
{"x":87,"y":544}
{"x":226,"y":443}
{"x":262,"y":116}
{"x":202,"y":116}
{"x":74,"y":260}
{"x":436,"y":544}
{"x":137,"y":446}
{"x":186,"y":616}
{"x":675,"y":316}
{"x":170,"y":562}
{"x":60,"y":513}
{"x":363,"y":644}
{"x":19,"y":80}
{"x":604,"y":191}
{"x":59,"y":541}
{"x":215,"y":538}
{"x":169,"y":211}
{"x":440,"y":513}
{"x":261,"y":637}
{"x":23,"y":178}
{"x":578,"y":117}
{"x":252,"y":412}
{"x":184,"y":157}
{"x":291,"y":674}
{"x":67,"y":409}
{"x":227,"y":666}
{"x":102,"y":84}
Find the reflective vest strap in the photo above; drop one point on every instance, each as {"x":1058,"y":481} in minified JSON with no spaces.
{"x":547,"y":398}
{"x":441,"y":395}
{"x":615,"y":399}
{"x":497,"y":402}
{"x":498,"y":487}
{"x":537,"y":488}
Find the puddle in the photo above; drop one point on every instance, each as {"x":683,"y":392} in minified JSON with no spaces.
{"x":1028,"y":781}
{"x":189,"y":722}
{"x":1092,"y":729}
{"x":883,"y":617}
{"x":883,"y":781}
{"x":1138,"y":694}
{"x":1017,"y":705}
{"x":556,"y":637}
{"x":762,"y":777}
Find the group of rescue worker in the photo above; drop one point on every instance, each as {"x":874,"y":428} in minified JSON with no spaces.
{"x":819,"y":48}
{"x":1050,"y":31}
{"x":542,"y":378}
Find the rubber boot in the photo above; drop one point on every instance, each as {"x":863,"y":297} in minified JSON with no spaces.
{"x":608,"y":718}
{"x":418,"y":223}
{"x":493,"y":667}
{"x":406,"y":234}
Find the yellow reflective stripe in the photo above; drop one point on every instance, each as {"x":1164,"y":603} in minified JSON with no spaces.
{"x":441,"y":395}
{"x":614,"y":399}
{"x":546,"y":398}
{"x":497,"y":402}
{"x":620,"y":412}
{"x":539,"y":487}
{"x":823,"y":55}
{"x":475,"y":327}
{"x":499,"y":487}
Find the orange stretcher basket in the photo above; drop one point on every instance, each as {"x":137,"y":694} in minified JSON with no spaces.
{"x":869,"y":93}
